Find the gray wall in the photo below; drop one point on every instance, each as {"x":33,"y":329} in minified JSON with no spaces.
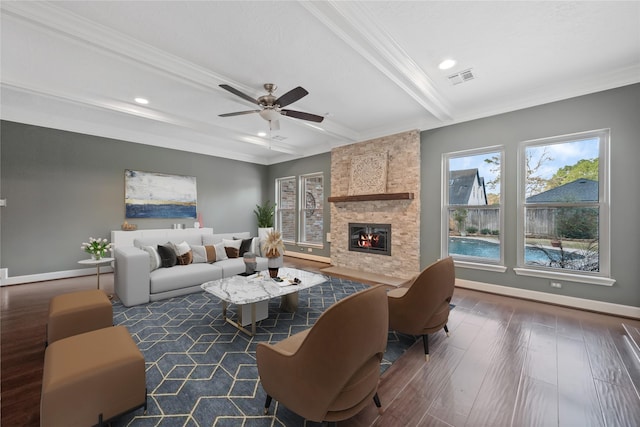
{"x":63,"y":187}
{"x":617,"y":109}
{"x":317,"y":163}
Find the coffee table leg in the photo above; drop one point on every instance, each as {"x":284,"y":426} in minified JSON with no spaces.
{"x":224,"y":310}
{"x":253,"y":318}
{"x":289,"y":302}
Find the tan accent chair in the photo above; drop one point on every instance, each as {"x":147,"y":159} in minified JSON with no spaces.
{"x":421,"y":306}
{"x":330,"y":371}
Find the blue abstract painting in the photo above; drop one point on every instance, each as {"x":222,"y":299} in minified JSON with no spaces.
{"x":158,"y":195}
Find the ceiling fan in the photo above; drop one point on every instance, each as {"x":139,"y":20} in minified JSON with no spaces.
{"x":271,"y":108}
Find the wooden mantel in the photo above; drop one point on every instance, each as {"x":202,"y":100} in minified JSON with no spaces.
{"x":370,"y":197}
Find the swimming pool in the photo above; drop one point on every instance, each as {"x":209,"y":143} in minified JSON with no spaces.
{"x":485,"y":249}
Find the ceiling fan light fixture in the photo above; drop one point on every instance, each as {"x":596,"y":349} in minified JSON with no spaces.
{"x":269,"y":114}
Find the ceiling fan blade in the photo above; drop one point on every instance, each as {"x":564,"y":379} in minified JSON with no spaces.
{"x":274,"y":125}
{"x":238,"y":113}
{"x":302,"y":115}
{"x":240,"y":94}
{"x":292,"y":96}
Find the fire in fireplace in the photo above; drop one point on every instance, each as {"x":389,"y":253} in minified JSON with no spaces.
{"x":370,"y":238}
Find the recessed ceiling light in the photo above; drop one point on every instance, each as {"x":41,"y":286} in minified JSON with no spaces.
{"x":142,"y":101}
{"x":262,"y":134}
{"x":446,"y":64}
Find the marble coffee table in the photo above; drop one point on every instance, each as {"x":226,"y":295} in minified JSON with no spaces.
{"x":252,"y":294}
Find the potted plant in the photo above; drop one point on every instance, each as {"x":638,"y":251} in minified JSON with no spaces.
{"x":264,"y":214}
{"x":273,"y":249}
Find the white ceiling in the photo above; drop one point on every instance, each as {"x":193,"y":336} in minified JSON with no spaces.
{"x":371,"y":67}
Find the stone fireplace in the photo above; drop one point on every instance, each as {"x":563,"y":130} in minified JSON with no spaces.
{"x":377,"y":182}
{"x":370,"y":238}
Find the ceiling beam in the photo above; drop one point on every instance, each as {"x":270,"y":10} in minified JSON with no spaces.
{"x":353,"y":23}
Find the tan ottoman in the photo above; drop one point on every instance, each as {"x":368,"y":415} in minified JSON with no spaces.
{"x":78,"y":312}
{"x":92,"y":377}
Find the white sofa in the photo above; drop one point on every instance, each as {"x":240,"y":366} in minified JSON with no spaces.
{"x":136,"y":283}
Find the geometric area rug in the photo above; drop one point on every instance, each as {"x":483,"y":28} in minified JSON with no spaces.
{"x":201,"y":371}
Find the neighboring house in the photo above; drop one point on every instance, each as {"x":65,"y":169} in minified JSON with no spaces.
{"x":466,"y":187}
{"x":580,"y":190}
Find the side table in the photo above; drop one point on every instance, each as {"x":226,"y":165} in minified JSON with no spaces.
{"x":97,"y":263}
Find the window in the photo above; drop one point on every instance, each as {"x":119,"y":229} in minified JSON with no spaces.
{"x":286,"y":208}
{"x":563,"y":225}
{"x":311,"y":213}
{"x":472,"y":214}
{"x":299,"y":209}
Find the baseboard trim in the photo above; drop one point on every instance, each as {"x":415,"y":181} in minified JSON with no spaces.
{"x":572,"y":302}
{"x":309,"y":257}
{"x":54,"y":275}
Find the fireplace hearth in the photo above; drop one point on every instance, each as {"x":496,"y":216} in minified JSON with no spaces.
{"x":370,"y":238}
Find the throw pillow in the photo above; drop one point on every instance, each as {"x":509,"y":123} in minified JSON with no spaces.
{"x":205,"y":253}
{"x":232,"y":247}
{"x":256,"y":246}
{"x":154,"y":258}
{"x":245,"y":246}
{"x":199,"y":254}
{"x":167,"y":255}
{"x":220,"y":252}
{"x":183,"y":253}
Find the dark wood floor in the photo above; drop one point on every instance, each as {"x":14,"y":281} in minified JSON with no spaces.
{"x":508,"y":362}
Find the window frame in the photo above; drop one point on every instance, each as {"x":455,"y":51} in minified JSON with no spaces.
{"x":302,"y":209}
{"x":476,"y":263}
{"x":279,"y":210}
{"x":603,"y":276}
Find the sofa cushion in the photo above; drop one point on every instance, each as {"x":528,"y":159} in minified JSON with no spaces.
{"x":190,"y":238}
{"x":167,"y":255}
{"x":181,"y":276}
{"x":210,"y":239}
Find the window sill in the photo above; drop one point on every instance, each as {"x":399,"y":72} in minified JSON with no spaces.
{"x":478,"y":266}
{"x":568,"y":277}
{"x":309,"y":245}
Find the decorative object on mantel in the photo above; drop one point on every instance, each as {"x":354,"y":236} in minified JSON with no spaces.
{"x":96,"y":247}
{"x":273,"y":249}
{"x":368,"y":174}
{"x":370,"y":197}
{"x":128,"y":227}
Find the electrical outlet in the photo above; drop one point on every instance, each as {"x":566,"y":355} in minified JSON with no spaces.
{"x":556,"y":284}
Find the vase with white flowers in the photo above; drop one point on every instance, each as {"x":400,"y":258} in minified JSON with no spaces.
{"x":96,"y":247}
{"x":273,"y":249}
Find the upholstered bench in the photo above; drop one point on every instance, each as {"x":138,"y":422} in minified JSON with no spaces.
{"x":78,"y":312}
{"x":91,"y":378}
